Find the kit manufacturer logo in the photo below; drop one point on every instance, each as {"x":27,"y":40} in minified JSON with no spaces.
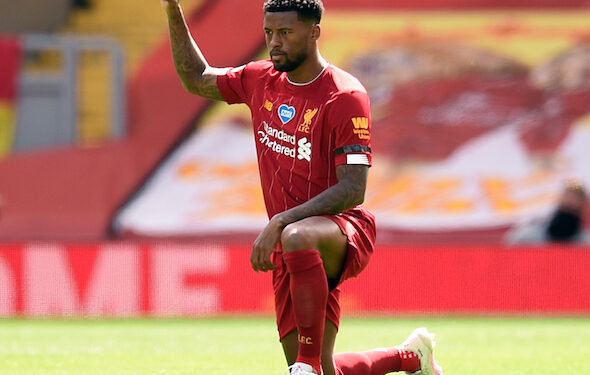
{"x":268,"y":105}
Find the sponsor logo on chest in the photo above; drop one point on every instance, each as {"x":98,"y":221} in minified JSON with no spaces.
{"x":287,"y":140}
{"x":284,"y":143}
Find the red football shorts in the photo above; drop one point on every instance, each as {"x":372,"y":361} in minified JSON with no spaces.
{"x":358,"y":225}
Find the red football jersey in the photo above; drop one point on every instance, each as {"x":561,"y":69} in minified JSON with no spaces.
{"x":302,"y":131}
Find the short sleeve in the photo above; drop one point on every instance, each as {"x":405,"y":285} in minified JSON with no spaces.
{"x":232,"y":85}
{"x":350,"y":114}
{"x":238,"y":84}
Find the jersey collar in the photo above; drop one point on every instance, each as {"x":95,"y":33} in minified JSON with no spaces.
{"x":309,"y":82}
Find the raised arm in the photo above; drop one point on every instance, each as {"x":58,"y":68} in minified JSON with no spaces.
{"x":195,"y":73}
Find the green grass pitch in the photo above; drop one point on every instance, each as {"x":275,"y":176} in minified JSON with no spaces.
{"x":249,"y":346}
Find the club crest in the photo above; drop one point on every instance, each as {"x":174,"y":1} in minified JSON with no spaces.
{"x":286,"y":113}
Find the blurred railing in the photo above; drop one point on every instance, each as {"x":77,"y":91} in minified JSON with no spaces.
{"x":50,"y":96}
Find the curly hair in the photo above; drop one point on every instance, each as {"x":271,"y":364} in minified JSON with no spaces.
{"x":306,"y":9}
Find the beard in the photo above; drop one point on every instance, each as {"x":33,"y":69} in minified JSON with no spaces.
{"x":564,"y":226}
{"x":289,"y":64}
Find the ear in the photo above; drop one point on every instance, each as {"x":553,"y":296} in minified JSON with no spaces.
{"x":315,"y":32}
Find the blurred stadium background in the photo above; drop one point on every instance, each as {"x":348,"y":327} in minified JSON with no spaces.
{"x":123,"y":195}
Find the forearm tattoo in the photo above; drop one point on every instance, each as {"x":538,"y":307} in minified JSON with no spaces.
{"x":347,"y":193}
{"x":189,"y":62}
{"x":208,"y":87}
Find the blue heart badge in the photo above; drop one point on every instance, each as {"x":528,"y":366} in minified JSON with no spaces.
{"x":286,"y":113}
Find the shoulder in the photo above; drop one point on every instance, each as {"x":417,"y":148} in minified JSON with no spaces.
{"x":346,"y":90}
{"x":260,"y":65}
{"x":345,"y":83}
{"x":259,"y":68}
{"x":254,"y":70}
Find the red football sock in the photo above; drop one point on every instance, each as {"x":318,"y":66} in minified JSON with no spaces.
{"x":376,"y":362}
{"x":309,"y":293}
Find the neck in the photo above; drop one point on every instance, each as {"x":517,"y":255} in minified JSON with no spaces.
{"x":308,"y":70}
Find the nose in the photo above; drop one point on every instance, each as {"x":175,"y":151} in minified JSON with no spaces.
{"x":274,"y":41}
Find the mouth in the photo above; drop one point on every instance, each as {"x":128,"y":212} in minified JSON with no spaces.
{"x":276,"y":53}
{"x":277,"y":58}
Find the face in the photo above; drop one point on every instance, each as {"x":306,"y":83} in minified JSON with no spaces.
{"x":288,"y":39}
